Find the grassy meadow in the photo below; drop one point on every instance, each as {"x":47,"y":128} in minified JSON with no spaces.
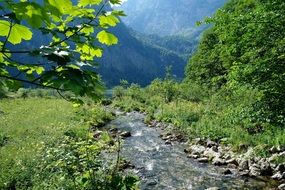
{"x":46,"y":143}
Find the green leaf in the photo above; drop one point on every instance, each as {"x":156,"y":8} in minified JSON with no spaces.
{"x":118,"y":13}
{"x":84,"y":3}
{"x":39,"y":70}
{"x":87,"y":30}
{"x":17,"y":34}
{"x":110,"y":20}
{"x":32,"y":12}
{"x":107,"y":38}
{"x":115,"y":2}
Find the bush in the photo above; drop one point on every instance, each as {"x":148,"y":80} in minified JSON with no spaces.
{"x":78,"y":164}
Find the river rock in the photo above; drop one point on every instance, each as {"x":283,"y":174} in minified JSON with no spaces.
{"x":211,"y":153}
{"x":232,"y":161}
{"x":197,"y":149}
{"x":203,"y":160}
{"x":218,"y":161}
{"x":210,"y":143}
{"x":243,"y":165}
{"x":280,"y":168}
{"x":168,"y":142}
{"x":282,"y":186}
{"x":198,"y":141}
{"x":213,"y":188}
{"x":193,"y":156}
{"x":265,"y":169}
{"x":273,"y":157}
{"x":160,"y":125}
{"x":244,"y":173}
{"x":151,"y":183}
{"x":273,"y":150}
{"x":232,"y":166}
{"x":227,"y":172}
{"x":249,"y":153}
{"x":97,"y":134}
{"x":282,"y":154}
{"x":125,"y":134}
{"x":277,"y":176}
{"x":254,"y":170}
{"x":166,"y":137}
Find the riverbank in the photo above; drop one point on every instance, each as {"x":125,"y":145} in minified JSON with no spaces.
{"x":245,"y":163}
{"x":160,"y":156}
{"x":246,"y":148}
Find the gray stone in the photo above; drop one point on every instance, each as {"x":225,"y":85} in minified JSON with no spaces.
{"x":97,"y":134}
{"x":227,"y":172}
{"x":282,"y":154}
{"x":215,"y":148}
{"x":193,"y":156}
{"x":218,"y":161}
{"x":233,"y":166}
{"x":203,"y":160}
{"x":243,"y":165}
{"x":282,"y":186}
{"x":197,"y":149}
{"x":265,"y":169}
{"x":211,"y":143}
{"x":125,"y":134}
{"x":280,"y":168}
{"x":254,"y":171}
{"x":232,"y":161}
{"x":151,"y":183}
{"x":210,"y":153}
{"x":244,"y":173}
{"x":283,"y":175}
{"x":198,"y":141}
{"x":273,"y":150}
{"x":227,"y":156}
{"x":212,"y":188}
{"x":168,"y":142}
{"x":277,"y":176}
{"x":273,"y":157}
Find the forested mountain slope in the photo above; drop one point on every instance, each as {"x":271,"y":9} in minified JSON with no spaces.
{"x":137,"y":60}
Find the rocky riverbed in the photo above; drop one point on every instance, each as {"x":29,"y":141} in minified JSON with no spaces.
{"x":164,"y":160}
{"x":245,"y":164}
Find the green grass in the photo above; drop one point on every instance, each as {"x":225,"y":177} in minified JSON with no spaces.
{"x":220,"y":117}
{"x":46,"y":143}
{"x":26,"y":126}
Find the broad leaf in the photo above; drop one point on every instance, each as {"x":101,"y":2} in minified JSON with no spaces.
{"x":109,"y":20}
{"x":17,"y":34}
{"x":107,"y":38}
{"x":84,"y":3}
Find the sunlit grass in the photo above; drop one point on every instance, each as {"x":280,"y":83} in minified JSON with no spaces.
{"x":26,"y":125}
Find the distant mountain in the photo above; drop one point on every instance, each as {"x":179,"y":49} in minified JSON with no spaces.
{"x":139,"y":58}
{"x":167,"y":17}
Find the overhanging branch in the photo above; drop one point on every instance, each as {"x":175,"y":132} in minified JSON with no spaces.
{"x":33,"y":83}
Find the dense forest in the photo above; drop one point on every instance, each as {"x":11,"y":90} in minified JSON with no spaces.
{"x":193,"y":107}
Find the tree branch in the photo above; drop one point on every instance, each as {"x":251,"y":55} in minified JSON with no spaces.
{"x":83,"y":26}
{"x":30,"y":82}
{"x":7,"y":38}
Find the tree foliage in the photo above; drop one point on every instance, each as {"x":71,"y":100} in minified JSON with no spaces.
{"x":245,"y":47}
{"x":73,"y":33}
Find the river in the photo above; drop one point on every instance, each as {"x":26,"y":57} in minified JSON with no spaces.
{"x":166,"y":167}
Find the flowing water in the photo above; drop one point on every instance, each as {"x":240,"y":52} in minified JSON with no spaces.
{"x":167,"y":167}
